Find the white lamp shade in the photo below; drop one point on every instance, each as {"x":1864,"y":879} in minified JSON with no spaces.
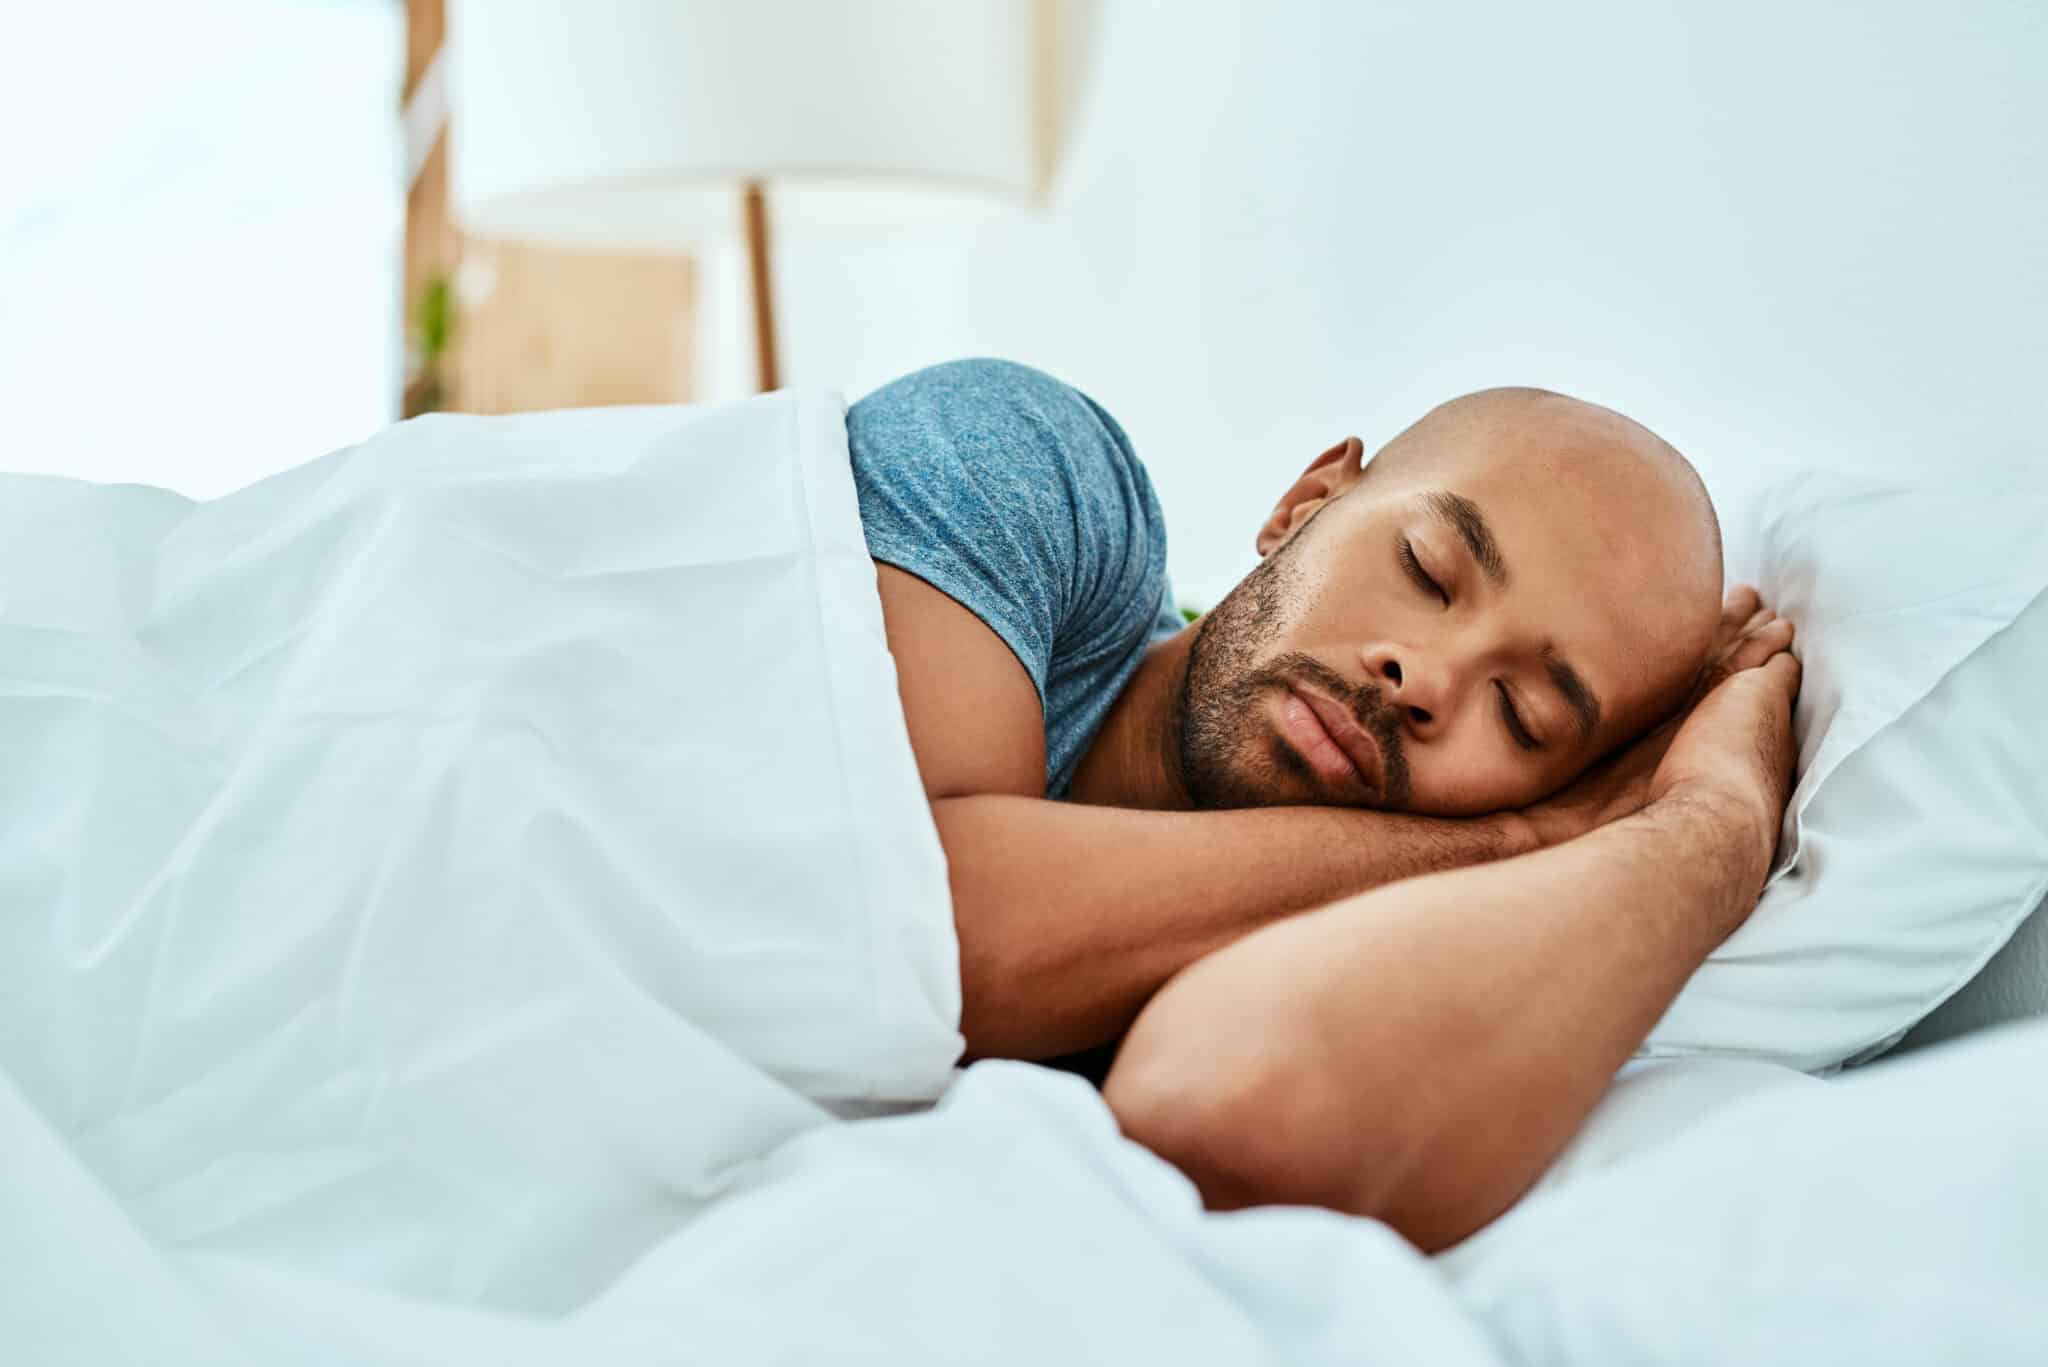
{"x":627,"y":124}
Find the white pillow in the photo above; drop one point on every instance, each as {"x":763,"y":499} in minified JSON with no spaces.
{"x":1917,"y":837}
{"x":2012,"y":987}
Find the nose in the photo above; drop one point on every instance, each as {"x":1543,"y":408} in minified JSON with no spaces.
{"x":1411,"y":681}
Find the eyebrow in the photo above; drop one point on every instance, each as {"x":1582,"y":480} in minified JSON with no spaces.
{"x":1584,"y":703}
{"x":1463,"y":517}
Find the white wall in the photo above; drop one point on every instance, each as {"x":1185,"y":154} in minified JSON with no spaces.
{"x":200,"y":215}
{"x":1771,"y":230}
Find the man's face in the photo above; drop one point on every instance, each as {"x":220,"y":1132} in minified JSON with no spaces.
{"x":1464,"y":635}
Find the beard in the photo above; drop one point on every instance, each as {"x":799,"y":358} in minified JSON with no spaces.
{"x":1227,"y":756}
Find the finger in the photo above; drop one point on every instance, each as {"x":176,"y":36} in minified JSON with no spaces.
{"x":1771,"y":639}
{"x":1782,"y":672}
{"x":1731,"y":639}
{"x":1740,"y":605}
{"x":1737,"y":609}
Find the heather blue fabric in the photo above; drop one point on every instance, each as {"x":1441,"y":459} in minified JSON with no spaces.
{"x":1021,"y":499}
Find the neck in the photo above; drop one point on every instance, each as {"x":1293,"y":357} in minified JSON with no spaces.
{"x":1134,"y":760}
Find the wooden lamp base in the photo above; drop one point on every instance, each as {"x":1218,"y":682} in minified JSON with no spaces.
{"x":764,"y":301}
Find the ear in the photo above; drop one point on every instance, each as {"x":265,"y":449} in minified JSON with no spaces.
{"x":1327,"y":476}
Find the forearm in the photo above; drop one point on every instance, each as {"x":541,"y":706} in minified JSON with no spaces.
{"x":1422,"y":1051}
{"x":1070,"y":917}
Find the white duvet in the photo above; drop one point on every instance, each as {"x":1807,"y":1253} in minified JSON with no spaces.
{"x":451,"y":895}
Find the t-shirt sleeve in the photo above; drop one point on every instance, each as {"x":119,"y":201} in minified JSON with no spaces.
{"x":1020,"y":498}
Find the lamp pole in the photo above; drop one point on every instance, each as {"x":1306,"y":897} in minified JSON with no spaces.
{"x":764,"y":300}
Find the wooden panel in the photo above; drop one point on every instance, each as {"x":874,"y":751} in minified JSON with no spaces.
{"x":554,"y":329}
{"x":432,"y":247}
{"x":534,"y":327}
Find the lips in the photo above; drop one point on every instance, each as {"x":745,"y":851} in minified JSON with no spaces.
{"x":1347,"y":735}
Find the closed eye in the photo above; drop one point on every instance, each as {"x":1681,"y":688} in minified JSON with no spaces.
{"x":1513,"y":720}
{"x":1421,"y":576}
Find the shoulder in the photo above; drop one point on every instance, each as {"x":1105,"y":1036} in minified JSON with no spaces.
{"x":984,"y":406}
{"x":977,"y":379}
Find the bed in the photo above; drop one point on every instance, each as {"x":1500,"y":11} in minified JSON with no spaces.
{"x":388,"y":976}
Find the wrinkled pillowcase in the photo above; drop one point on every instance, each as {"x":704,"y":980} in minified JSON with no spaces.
{"x":1916,"y":840}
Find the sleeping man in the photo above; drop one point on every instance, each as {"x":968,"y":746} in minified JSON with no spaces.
{"x":1382,"y":868}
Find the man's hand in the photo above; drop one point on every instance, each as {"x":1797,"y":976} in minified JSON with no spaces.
{"x":1750,"y":634}
{"x":1418,"y":1053}
{"x":1736,"y":749}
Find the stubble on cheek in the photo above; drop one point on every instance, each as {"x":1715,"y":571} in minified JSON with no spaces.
{"x":1222,"y":762}
{"x":1288,"y":760}
{"x":1228,"y":753}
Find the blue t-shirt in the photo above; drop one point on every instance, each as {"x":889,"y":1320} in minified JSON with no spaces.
{"x":1020,"y":499}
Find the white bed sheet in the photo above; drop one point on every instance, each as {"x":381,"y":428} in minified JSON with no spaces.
{"x":1723,"y":1211}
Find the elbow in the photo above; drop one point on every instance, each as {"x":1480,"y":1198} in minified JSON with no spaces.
{"x":1442,"y":1204}
{"x":1265,"y":1131}
{"x":1279,"y":1130}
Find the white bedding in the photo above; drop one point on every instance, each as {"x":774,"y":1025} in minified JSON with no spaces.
{"x":447,"y":893}
{"x":438,"y":866}
{"x":1897,"y":1215}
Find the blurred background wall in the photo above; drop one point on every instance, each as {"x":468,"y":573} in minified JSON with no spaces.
{"x":200,"y":215}
{"x":1772,"y":231}
{"x":1813,"y":232}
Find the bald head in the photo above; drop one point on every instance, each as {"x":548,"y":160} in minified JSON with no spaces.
{"x":1571,"y":439}
{"x":1513,"y":586}
{"x":1608,"y":487}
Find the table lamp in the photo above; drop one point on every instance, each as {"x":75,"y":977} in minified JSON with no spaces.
{"x":639,"y":125}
